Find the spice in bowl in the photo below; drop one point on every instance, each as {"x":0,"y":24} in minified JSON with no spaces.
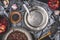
{"x":17,"y":35}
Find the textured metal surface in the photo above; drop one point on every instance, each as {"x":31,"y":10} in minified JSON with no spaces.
{"x":35,"y":18}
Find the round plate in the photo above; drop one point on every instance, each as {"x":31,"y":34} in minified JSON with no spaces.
{"x":37,"y":19}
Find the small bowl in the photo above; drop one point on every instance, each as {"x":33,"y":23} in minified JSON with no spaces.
{"x":15,"y":17}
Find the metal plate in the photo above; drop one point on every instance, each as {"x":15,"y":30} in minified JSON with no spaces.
{"x":37,"y":19}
